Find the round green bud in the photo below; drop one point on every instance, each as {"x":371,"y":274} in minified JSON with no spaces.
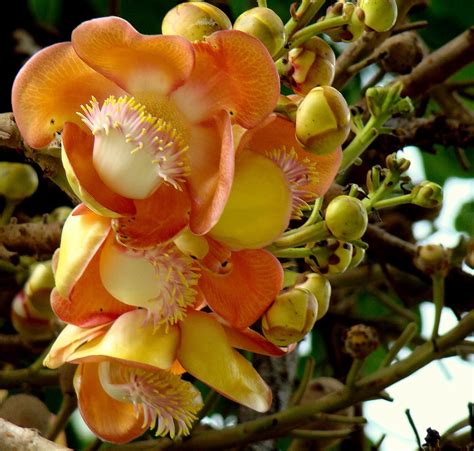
{"x":380,"y":15}
{"x":329,"y":256}
{"x":313,"y":64}
{"x":17,"y":180}
{"x":321,"y":289}
{"x":194,"y":21}
{"x":427,"y":194}
{"x":59,"y":214}
{"x":265,"y":25}
{"x":291,"y":316}
{"x":346,"y":218}
{"x":322,"y":120}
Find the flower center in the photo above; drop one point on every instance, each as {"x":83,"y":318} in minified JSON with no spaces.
{"x":300,"y":173}
{"x":165,"y":400}
{"x":160,"y":279}
{"x":134,"y":152}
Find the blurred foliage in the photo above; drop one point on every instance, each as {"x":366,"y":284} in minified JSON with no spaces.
{"x":465,"y":219}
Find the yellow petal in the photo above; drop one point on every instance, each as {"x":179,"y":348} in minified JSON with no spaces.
{"x":81,"y":238}
{"x":259,"y":205}
{"x":71,"y":338}
{"x":205,"y":352}
{"x":133,"y":338}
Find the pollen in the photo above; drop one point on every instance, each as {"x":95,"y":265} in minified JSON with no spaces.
{"x":123,"y":123}
{"x":300,"y":173}
{"x":167,"y":403}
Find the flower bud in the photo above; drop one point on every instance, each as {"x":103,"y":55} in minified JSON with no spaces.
{"x":397,"y":165}
{"x":194,"y":21}
{"x":330,"y":256}
{"x":38,"y":288}
{"x":313,"y":64}
{"x":432,"y":259}
{"x":29,"y":322}
{"x":322,"y":120}
{"x":321,"y":289}
{"x":427,"y":194}
{"x":358,"y":254}
{"x":17,"y":180}
{"x":353,"y":29}
{"x":291,"y":316}
{"x":265,"y":25}
{"x":346,"y":218}
{"x":360,"y":341}
{"x":380,"y":15}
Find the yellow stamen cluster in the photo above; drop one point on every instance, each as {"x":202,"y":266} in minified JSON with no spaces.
{"x":300,"y":172}
{"x":143,"y":131}
{"x":166,"y":402}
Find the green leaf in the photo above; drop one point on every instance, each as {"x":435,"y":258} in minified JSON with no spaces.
{"x":46,"y":12}
{"x":444,"y":164}
{"x":464,"y":221}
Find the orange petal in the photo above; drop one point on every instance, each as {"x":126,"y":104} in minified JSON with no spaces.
{"x":252,"y":341}
{"x":242,"y":295}
{"x":115,"y":49}
{"x":70,"y":338}
{"x":276,"y":133}
{"x":132,"y":338}
{"x":158,"y":218}
{"x":109,"y":419}
{"x":234,"y":72}
{"x":89,"y":230}
{"x":211,"y":155}
{"x":205,"y":352}
{"x":84,"y":179}
{"x":51,"y":88}
{"x":89,"y":303}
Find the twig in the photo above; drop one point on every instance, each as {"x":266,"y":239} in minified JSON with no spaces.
{"x":307,"y":375}
{"x":454,"y":428}
{"x":401,"y":341}
{"x":68,"y":405}
{"x":13,"y":437}
{"x":303,"y":433}
{"x":415,"y":430}
{"x":16,"y":378}
{"x":439,"y":65}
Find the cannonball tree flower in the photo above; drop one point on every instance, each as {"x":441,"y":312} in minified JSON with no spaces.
{"x":146,"y":121}
{"x":259,"y":208}
{"x":103,"y":277}
{"x":128,"y":376}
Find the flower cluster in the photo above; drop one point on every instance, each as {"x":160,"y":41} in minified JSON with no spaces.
{"x":185,"y":175}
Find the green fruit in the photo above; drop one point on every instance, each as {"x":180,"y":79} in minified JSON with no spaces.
{"x":380,"y":15}
{"x":265,"y":25}
{"x":346,"y":218}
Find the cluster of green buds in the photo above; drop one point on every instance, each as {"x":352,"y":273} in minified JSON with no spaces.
{"x":354,"y":26}
{"x":31,"y":312}
{"x":294,"y":312}
{"x":383,"y":183}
